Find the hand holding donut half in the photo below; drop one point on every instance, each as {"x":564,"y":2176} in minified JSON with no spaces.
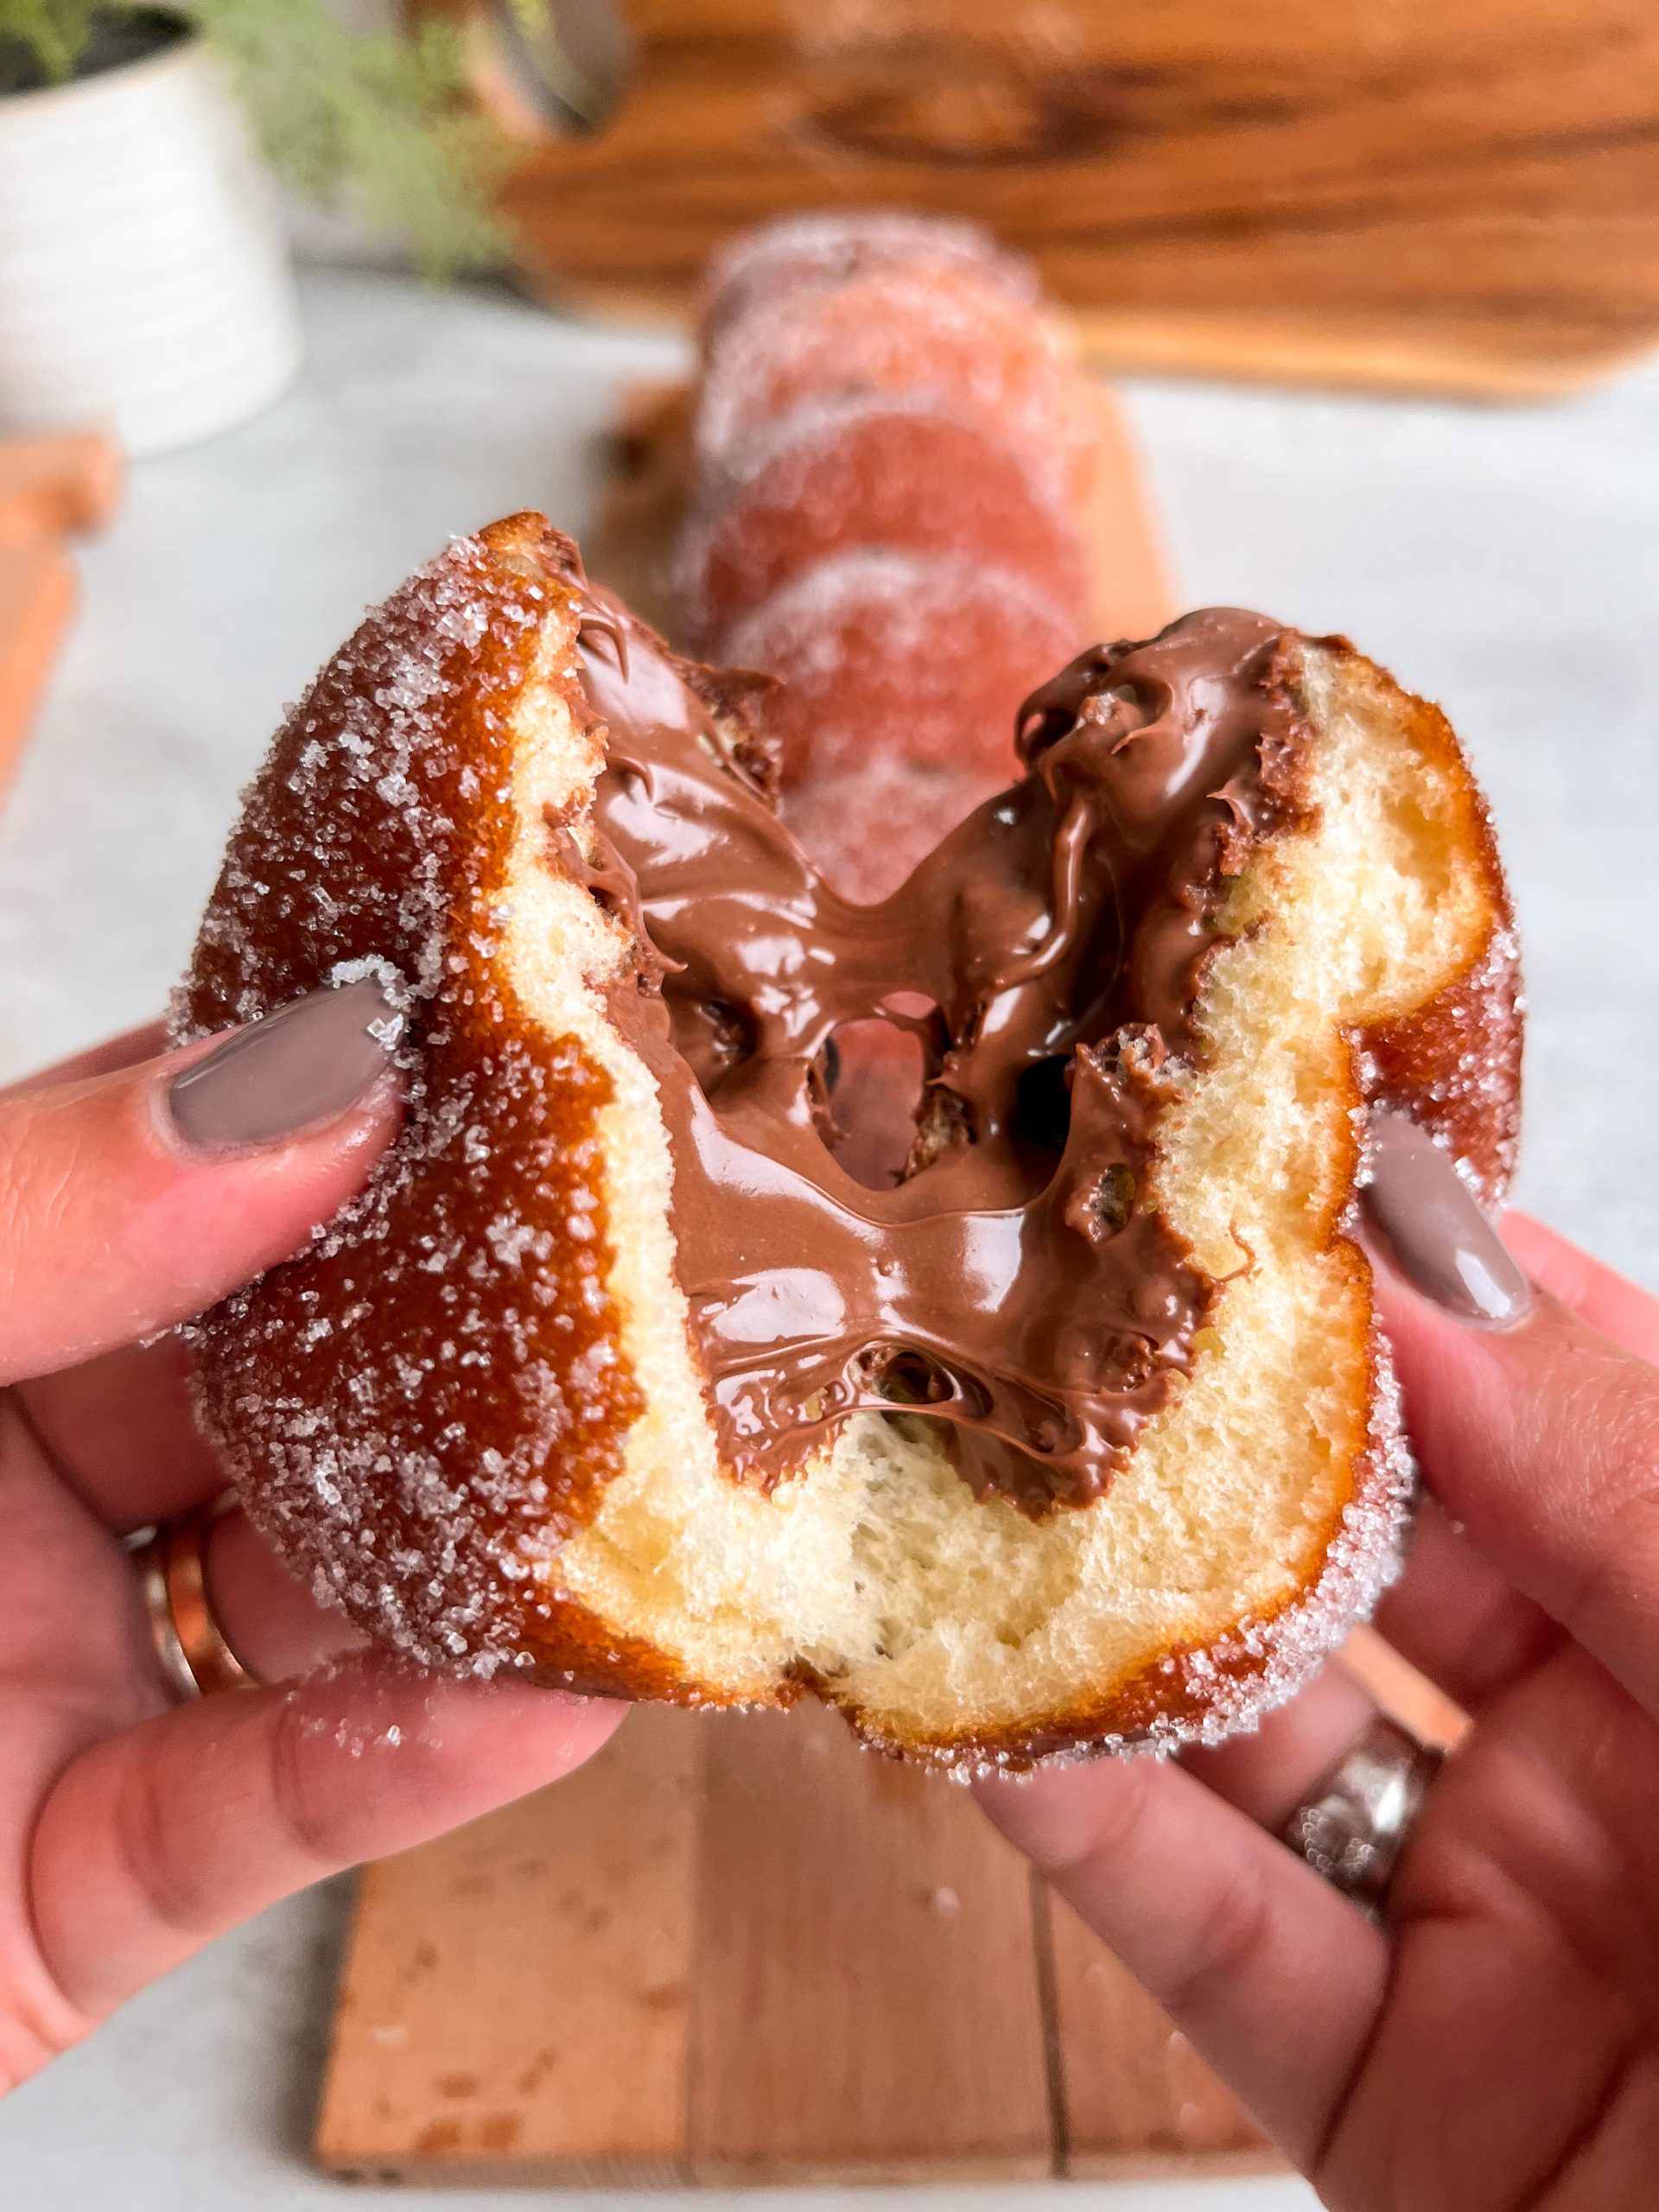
{"x":602,"y":1371}
{"x":138,"y":1185}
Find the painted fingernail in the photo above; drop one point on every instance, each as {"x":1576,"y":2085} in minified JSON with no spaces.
{"x":1434,"y":1230}
{"x":297,"y":1070}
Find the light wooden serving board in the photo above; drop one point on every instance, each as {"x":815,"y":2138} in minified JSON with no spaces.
{"x":737,"y":1948}
{"x":734,"y":1949}
{"x":1460,"y":194}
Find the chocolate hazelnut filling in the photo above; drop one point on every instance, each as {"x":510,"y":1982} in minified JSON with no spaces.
{"x":1018,"y":1281}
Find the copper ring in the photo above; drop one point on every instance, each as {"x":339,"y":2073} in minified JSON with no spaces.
{"x":196,"y":1660}
{"x":1353,"y":1825}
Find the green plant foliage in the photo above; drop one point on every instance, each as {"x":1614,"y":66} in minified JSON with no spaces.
{"x":380,"y":123}
{"x":55,"y":32}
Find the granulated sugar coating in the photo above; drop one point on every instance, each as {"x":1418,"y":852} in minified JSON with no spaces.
{"x":939,"y":335}
{"x":889,"y":657}
{"x":441,"y":1368}
{"x":897,"y":477}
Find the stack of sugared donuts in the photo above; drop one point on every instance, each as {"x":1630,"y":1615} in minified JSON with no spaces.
{"x":893,"y":445}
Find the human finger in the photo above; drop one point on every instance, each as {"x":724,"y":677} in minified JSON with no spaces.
{"x":125,"y":1050}
{"x":1274,"y":1977}
{"x":1453,"y":1614}
{"x":1269,"y":1772}
{"x":1452,"y":1618}
{"x":1459,"y":1621}
{"x":156,"y":1840}
{"x":130,"y":1200}
{"x":121,"y":1433}
{"x":1534,"y":1430}
{"x":267,"y":1616}
{"x":1623,"y":1313}
{"x":271,"y":1618}
{"x":1544,"y":1444}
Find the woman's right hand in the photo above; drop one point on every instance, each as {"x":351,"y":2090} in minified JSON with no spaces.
{"x":1496,"y":2045}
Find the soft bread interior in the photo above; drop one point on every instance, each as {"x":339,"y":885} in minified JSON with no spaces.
{"x":940,"y":1618}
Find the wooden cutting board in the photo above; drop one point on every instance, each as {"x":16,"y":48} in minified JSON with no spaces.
{"x":1460,"y":194}
{"x":734,"y":1947}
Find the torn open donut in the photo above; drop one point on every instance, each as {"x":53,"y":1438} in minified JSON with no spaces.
{"x":1069,"y":1426}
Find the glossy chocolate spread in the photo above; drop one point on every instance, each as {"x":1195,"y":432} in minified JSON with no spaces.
{"x":1015,"y":1282}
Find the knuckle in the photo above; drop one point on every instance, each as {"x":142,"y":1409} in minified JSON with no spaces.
{"x":1226,"y":1940}
{"x":311,"y":1813}
{"x":148,"y":1843}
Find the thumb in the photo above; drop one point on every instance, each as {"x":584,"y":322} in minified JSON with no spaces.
{"x":131,"y":1200}
{"x":1536,"y":1432}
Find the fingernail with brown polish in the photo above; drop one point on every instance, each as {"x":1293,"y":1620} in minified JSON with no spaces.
{"x":1433,"y":1225}
{"x":297,"y":1070}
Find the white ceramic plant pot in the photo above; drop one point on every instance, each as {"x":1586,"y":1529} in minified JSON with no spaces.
{"x":144,"y":278}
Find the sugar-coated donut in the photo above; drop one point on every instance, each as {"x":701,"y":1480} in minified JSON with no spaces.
{"x":869,"y":826}
{"x":893,"y":503}
{"x":798,"y":252}
{"x":1080,"y":1436}
{"x":888,"y":475}
{"x":890,"y":657}
{"x":941,"y":335}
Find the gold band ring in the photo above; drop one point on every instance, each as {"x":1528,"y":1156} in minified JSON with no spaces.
{"x":195,"y":1658}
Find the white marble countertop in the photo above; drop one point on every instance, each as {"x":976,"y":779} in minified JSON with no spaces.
{"x":1506,"y":563}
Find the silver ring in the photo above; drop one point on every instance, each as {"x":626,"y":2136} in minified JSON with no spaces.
{"x":1353,"y":1825}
